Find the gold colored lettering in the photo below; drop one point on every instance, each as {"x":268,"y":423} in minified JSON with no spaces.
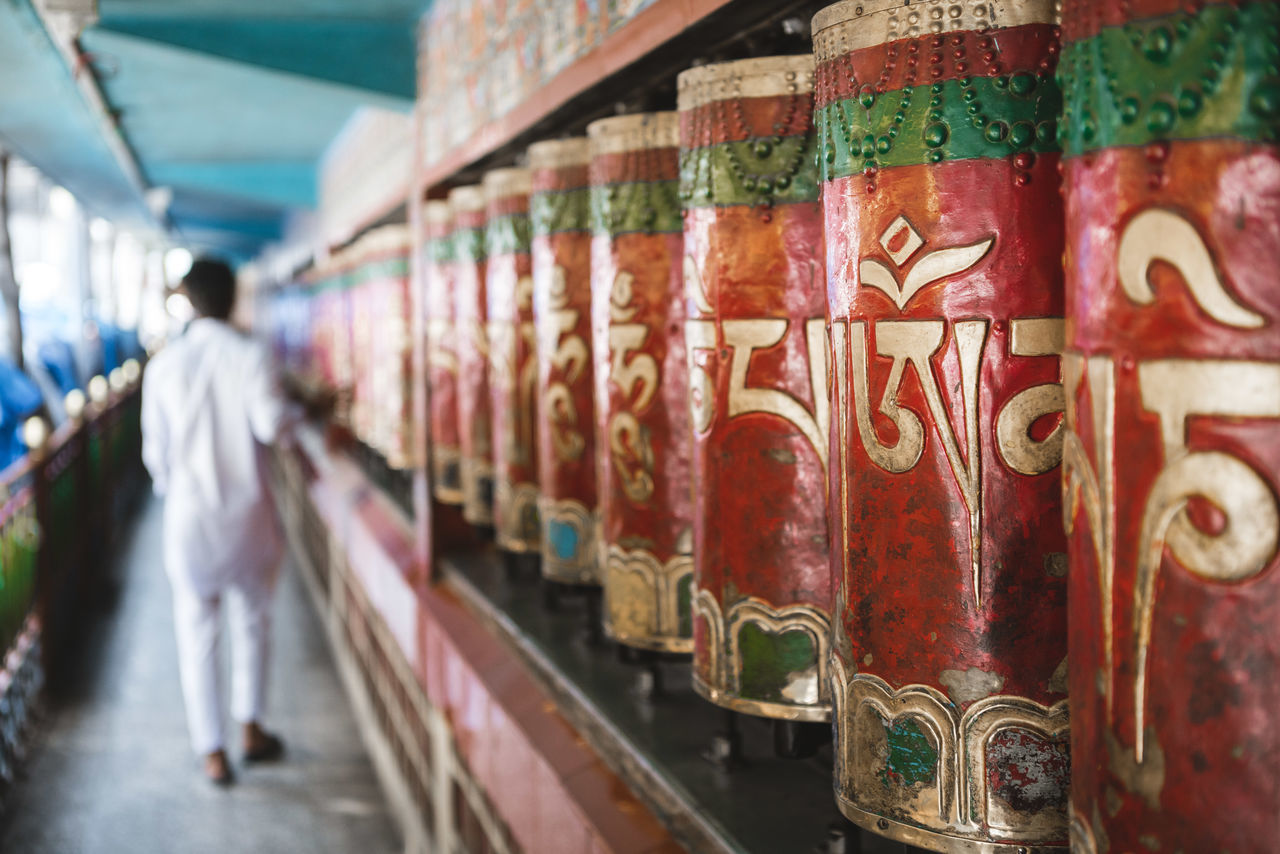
{"x":1161,"y":235}
{"x":1178,"y":390}
{"x":915,"y":342}
{"x":570,"y":358}
{"x":1091,"y":487}
{"x":632,"y":454}
{"x":1032,"y":336}
{"x":747,"y":336}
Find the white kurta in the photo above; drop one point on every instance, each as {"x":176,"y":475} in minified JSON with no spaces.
{"x":210,"y":402}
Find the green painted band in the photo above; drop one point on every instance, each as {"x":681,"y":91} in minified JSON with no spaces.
{"x":558,"y":211}
{"x":649,"y":207}
{"x":507,"y":235}
{"x":440,"y":250}
{"x":468,"y":244}
{"x":1210,"y":75}
{"x":385,"y":267}
{"x":966,"y":119}
{"x":750,"y":172}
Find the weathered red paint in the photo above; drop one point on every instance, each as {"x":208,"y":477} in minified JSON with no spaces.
{"x":642,"y":413}
{"x":1173,"y":477}
{"x":475,"y":427}
{"x":946,"y":299}
{"x":442,"y":361}
{"x":512,"y":366}
{"x":756,"y":337}
{"x":562,"y":318}
{"x":363,"y":310}
{"x":391,"y":358}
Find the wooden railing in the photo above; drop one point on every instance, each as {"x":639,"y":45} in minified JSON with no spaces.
{"x":62,"y":507}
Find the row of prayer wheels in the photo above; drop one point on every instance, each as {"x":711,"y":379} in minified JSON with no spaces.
{"x":360,"y":338}
{"x":858,"y":371}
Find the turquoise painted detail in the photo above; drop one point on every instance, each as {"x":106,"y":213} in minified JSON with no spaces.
{"x":565,"y":539}
{"x":912,"y":756}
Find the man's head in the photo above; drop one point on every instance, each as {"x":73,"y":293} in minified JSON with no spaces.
{"x":211,"y":287}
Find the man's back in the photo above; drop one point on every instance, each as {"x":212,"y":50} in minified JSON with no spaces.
{"x":209,"y":402}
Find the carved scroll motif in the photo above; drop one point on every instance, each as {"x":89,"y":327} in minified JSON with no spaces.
{"x":644,"y":593}
{"x":865,"y":705}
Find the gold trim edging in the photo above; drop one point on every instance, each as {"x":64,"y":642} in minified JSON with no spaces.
{"x":859,"y":24}
{"x":963,"y":802}
{"x":778,"y":711}
{"x":441,"y":458}
{"x":651,"y":621}
{"x":932,"y":840}
{"x":725,"y":667}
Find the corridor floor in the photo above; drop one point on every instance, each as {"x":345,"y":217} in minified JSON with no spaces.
{"x":111,"y":769}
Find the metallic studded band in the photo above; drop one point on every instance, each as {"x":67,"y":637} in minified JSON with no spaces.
{"x":636,"y":132}
{"x":559,"y":153}
{"x":857,"y":24}
{"x":766,"y":77}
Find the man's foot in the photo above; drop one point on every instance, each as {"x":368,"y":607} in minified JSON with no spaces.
{"x":260,"y":745}
{"x":218,"y":769}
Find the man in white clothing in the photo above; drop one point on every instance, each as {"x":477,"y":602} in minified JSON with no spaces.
{"x":210,"y":405}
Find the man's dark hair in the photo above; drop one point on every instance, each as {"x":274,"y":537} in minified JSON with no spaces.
{"x":211,"y":287}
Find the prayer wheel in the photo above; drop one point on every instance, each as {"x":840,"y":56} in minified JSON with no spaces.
{"x":339,"y":340}
{"x":442,"y":361}
{"x":944,"y":237}
{"x":363,"y":311}
{"x":513,"y":368}
{"x":1172,"y":456}
{"x":642,"y":406}
{"x":560,"y":215}
{"x":756,"y":337}
{"x":387,"y":268}
{"x":470,"y":313}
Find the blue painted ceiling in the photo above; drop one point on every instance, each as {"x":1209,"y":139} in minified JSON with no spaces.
{"x":229,"y":103}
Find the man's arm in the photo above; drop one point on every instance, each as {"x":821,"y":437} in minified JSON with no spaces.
{"x":271,"y":417}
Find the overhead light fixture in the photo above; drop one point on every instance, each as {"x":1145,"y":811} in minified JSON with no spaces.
{"x":70,"y":17}
{"x":158,"y":200}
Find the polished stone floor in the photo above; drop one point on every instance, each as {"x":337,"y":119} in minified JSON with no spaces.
{"x":111,"y":769}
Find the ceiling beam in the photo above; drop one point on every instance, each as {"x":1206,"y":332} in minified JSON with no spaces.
{"x":370,"y":55}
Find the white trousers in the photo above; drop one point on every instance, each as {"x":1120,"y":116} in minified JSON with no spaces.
{"x":198,"y":625}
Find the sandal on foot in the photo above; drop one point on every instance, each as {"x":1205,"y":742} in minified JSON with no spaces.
{"x":270,"y":749}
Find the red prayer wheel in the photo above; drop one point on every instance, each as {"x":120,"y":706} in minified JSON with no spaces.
{"x":944,"y":242}
{"x":470,"y":312}
{"x":363,"y":311}
{"x":560,"y":215}
{"x":642,"y":406}
{"x":387,"y":269}
{"x":442,"y":361}
{"x":513,"y":368}
{"x":1172,"y":458}
{"x":756,"y":336}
